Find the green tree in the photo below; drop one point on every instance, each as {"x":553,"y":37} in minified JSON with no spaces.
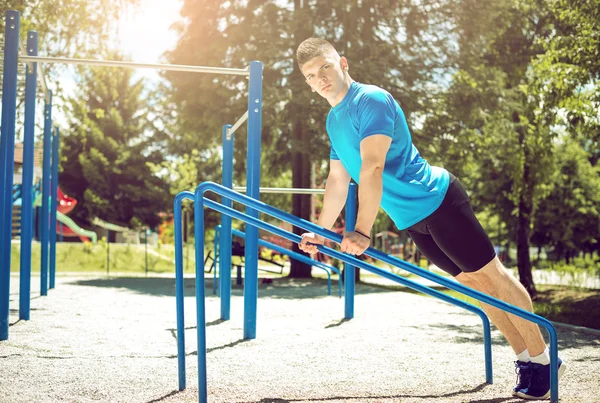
{"x":489,"y":118}
{"x":396,"y":45}
{"x":568,"y":220}
{"x":110,"y":150}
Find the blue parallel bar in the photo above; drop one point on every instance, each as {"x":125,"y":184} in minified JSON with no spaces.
{"x":200,"y":300}
{"x":54,"y":206}
{"x":27,"y":188}
{"x":253,"y":191}
{"x":46,"y":196}
{"x":216,"y":249}
{"x":310,"y":227}
{"x":7,"y":157}
{"x":349,"y":270}
{"x":179,"y":290}
{"x":301,"y":258}
{"x":225,"y":235}
{"x":371,"y":252}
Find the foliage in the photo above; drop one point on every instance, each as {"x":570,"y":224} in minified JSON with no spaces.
{"x":567,"y":220}
{"x":110,"y":151}
{"x":396,"y":45}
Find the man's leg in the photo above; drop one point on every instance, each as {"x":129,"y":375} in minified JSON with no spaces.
{"x":493,"y":279}
{"x":498,"y":317}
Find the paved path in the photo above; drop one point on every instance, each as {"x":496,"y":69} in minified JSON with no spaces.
{"x":113,"y":340}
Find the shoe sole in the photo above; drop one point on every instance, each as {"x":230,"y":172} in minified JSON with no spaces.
{"x":561,"y":371}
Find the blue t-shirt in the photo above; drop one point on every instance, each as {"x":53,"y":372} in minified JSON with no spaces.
{"x":412,"y":189}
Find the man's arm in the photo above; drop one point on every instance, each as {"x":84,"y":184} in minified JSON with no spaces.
{"x":373,"y":151}
{"x":336,"y":193}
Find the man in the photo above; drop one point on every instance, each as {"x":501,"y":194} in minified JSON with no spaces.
{"x":371,"y":143}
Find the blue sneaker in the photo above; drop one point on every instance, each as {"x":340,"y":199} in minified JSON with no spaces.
{"x":523,"y":371}
{"x":539,"y":386}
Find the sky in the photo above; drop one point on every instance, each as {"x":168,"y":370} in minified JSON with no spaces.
{"x":144,"y":31}
{"x":143,"y":34}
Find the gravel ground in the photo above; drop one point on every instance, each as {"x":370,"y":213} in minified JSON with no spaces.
{"x":113,"y":340}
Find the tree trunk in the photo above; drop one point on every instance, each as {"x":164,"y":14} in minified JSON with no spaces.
{"x":301,"y":166}
{"x":525,"y":214}
{"x":300,"y":203}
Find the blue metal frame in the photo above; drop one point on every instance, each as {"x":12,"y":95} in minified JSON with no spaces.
{"x":301,"y":258}
{"x":54,"y":206}
{"x":7,"y":157}
{"x":44,"y":239}
{"x":252,"y":190}
{"x":225,"y":236}
{"x":27,"y":188}
{"x":200,"y":202}
{"x":217,"y":257}
{"x":349,"y":271}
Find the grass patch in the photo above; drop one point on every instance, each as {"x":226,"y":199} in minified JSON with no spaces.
{"x":565,"y":304}
{"x":572,"y":305}
{"x":121,"y":258}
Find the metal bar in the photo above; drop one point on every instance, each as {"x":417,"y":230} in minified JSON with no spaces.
{"x":7,"y":154}
{"x":349,"y":270}
{"x":200,"y":201}
{"x":216,"y":259}
{"x":146,"y":248}
{"x":300,"y":257}
{"x":225,"y":236}
{"x":28,"y":50}
{"x":371,"y":252}
{"x":45,"y":196}
{"x":27,"y":186}
{"x":134,"y":65}
{"x":242,"y":189}
{"x":237,"y":125}
{"x":252,"y":184}
{"x":107,"y":252}
{"x":179,"y":289}
{"x":54,"y":206}
{"x":200,"y":300}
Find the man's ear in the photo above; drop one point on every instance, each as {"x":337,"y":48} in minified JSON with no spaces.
{"x":344,"y":63}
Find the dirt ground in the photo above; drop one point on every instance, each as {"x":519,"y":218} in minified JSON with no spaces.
{"x":114,"y":340}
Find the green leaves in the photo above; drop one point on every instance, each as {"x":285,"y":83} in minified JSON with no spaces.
{"x":110,"y":155}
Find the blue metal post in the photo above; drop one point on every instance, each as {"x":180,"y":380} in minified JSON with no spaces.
{"x":200,"y":296}
{"x":225,"y":235}
{"x":27,"y":187}
{"x":179,"y":289}
{"x":44,"y":239}
{"x":349,"y":275}
{"x":253,"y":191}
{"x":216,"y":266}
{"x":107,"y":252}
{"x":7,"y":156}
{"x":300,"y":257}
{"x":54,"y":206}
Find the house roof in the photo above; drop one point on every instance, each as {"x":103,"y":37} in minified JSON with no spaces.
{"x":37,"y":155}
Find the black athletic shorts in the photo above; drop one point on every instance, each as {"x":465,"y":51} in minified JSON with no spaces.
{"x":451,"y":237}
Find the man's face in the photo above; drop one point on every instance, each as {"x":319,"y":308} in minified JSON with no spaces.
{"x":325,"y":75}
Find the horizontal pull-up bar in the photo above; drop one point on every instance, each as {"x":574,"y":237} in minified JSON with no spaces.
{"x":298,"y":191}
{"x":133,"y":65}
{"x":42,"y":74}
{"x":237,"y":125}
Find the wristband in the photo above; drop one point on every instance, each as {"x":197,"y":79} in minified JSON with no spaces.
{"x":366,"y":236}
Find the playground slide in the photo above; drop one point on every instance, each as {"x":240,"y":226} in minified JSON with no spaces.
{"x":77,"y":230}
{"x":16,"y":196}
{"x":71,"y":228}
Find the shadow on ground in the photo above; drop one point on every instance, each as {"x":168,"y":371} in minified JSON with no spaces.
{"x":282,"y":288}
{"x":464,"y":393}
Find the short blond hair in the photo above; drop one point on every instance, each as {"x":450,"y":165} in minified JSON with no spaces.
{"x":313,"y":47}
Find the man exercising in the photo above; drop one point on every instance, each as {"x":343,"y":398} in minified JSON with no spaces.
{"x":371,"y":143}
